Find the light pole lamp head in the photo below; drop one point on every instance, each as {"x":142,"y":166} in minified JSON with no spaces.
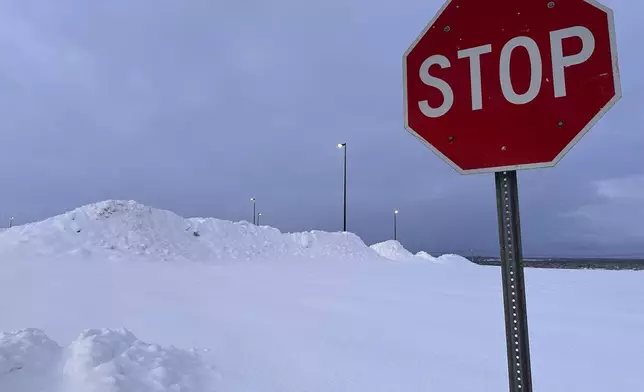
{"x":396,"y":212}
{"x":252,"y":199}
{"x":342,"y":145}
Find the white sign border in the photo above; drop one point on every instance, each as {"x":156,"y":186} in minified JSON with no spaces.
{"x":573,"y":142}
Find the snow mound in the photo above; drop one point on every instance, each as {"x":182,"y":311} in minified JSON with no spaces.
{"x":451,"y":259}
{"x":425,"y":256}
{"x":27,"y":361}
{"x":117,"y":228}
{"x":392,"y":250}
{"x":99,"y":361}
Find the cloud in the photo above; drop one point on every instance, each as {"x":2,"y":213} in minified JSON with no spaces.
{"x":616,"y":217}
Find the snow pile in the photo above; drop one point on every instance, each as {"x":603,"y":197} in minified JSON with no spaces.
{"x":392,"y":250}
{"x":117,"y":228}
{"x":452,"y":259}
{"x":98,"y":361}
{"x":226,"y":239}
{"x":124,"y":227}
{"x":324,"y":245}
{"x":425,"y":256}
{"x":27,"y":361}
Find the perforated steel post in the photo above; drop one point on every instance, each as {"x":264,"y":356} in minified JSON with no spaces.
{"x":516,"y":317}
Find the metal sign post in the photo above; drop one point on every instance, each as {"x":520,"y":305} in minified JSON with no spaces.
{"x":516,"y":317}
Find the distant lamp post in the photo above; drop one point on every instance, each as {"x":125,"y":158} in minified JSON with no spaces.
{"x":11,"y":222}
{"x":344,"y":187}
{"x":259,"y":215}
{"x":395,"y":225}
{"x":254,"y":208}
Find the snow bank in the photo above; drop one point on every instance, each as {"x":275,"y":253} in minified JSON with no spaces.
{"x":451,"y":259}
{"x":98,"y":361}
{"x":116,"y":228}
{"x":392,"y":250}
{"x":425,"y":256}
{"x":226,"y":239}
{"x":120,"y":229}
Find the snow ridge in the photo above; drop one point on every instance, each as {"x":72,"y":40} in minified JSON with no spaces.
{"x":118,"y":228}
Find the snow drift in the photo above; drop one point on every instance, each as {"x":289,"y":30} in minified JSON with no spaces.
{"x":98,"y":361}
{"x":117,"y":228}
{"x":393,"y":250}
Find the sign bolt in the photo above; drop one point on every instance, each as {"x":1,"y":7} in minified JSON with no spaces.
{"x":503,"y":148}
{"x":551,"y":4}
{"x":560,"y":123}
{"x":451,"y":138}
{"x":447,"y":29}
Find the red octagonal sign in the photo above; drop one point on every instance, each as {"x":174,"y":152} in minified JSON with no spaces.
{"x":510,"y":84}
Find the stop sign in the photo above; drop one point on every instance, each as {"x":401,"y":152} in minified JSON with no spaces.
{"x":510,"y":84}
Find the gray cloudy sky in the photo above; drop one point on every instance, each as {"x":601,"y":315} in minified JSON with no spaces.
{"x":195,"y":106}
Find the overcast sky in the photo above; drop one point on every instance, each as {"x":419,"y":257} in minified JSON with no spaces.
{"x":196,"y":106}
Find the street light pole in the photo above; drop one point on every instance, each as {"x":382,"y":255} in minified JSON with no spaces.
{"x":254,"y":208}
{"x":344,"y":147}
{"x":259,"y":215}
{"x":395,"y":225}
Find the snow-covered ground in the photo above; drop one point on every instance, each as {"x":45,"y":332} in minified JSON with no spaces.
{"x":266,"y":311}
